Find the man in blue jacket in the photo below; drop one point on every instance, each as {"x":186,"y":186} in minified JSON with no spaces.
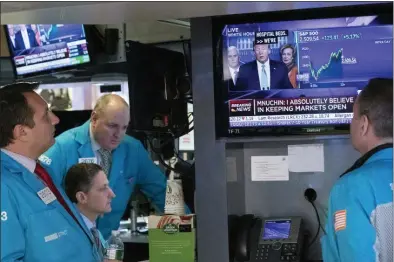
{"x":360,"y":213}
{"x":38,"y":222}
{"x":102,"y":140}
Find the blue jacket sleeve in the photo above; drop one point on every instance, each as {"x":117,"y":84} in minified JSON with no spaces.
{"x":55,"y":160}
{"x":151,"y":180}
{"x":350,"y":234}
{"x":12,"y":236}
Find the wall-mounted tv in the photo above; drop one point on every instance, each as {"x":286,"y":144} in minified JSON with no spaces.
{"x":299,"y":71}
{"x":43,"y":48}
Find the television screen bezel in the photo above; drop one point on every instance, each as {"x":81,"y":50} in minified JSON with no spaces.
{"x":221,"y":111}
{"x":47,"y":71}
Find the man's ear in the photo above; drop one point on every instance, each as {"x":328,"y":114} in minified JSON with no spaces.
{"x":81,"y":197}
{"x":93,"y":117}
{"x":365,"y":125}
{"x":20,"y":133}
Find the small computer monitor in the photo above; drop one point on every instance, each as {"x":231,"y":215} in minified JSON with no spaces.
{"x":42,"y":48}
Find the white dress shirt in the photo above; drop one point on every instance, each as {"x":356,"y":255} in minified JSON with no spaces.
{"x":232,"y":73}
{"x":13,"y":41}
{"x":26,"y":39}
{"x":267,"y":71}
{"x":95,"y":146}
{"x":89,"y":224}
{"x":28,"y":163}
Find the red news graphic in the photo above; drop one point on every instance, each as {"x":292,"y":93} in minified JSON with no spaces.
{"x":242,"y":107}
{"x":46,"y":56}
{"x":291,"y":111}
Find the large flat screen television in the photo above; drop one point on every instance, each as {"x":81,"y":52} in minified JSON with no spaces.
{"x":43,"y":48}
{"x":299,"y":71}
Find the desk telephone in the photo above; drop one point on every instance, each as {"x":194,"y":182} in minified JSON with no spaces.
{"x":269,"y":239}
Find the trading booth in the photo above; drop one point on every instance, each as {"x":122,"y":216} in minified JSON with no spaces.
{"x":251,"y":113}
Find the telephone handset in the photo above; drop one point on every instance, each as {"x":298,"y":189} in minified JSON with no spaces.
{"x":268,"y":239}
{"x":248,"y":229}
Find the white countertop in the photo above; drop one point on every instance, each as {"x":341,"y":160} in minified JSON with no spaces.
{"x":127,"y":237}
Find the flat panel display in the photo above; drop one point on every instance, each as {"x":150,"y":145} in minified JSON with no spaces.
{"x":39,"y":48}
{"x":274,"y":77}
{"x":276,"y":229}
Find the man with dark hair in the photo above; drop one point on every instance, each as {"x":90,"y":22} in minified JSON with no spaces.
{"x":360,"y":212}
{"x":87,"y":186}
{"x":38,"y":223}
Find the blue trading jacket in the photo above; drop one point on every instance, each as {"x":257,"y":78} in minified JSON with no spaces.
{"x":360,"y":213}
{"x":131,"y":165}
{"x":33,"y":231}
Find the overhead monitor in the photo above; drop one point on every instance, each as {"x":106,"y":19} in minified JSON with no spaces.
{"x":42,"y":48}
{"x":298,"y":71}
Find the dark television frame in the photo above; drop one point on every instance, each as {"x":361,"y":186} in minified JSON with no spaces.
{"x":220,"y":93}
{"x":48,"y":71}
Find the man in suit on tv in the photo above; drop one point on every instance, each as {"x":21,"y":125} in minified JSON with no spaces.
{"x":11,"y":33}
{"x":231,"y":71}
{"x":25,"y":38}
{"x":263,"y":73}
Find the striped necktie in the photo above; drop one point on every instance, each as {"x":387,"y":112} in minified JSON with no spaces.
{"x":106,"y":160}
{"x":263,"y":78}
{"x":97,"y":242}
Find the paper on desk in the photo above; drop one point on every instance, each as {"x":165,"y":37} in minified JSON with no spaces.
{"x":231,"y":166}
{"x":306,"y":158}
{"x":270,"y":168}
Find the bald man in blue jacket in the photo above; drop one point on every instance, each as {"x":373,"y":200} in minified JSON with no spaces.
{"x":360,"y":213}
{"x":102,"y":140}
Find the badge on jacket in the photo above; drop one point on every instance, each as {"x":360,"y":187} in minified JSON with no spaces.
{"x":46,"y":195}
{"x":88,"y":160}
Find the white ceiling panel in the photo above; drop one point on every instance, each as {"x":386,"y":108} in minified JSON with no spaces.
{"x":121,"y":12}
{"x":9,"y":7}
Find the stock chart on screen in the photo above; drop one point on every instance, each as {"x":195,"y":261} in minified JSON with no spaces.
{"x":344,"y":56}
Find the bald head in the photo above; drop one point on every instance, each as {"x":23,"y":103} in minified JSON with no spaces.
{"x":109,"y":121}
{"x":110,"y":102}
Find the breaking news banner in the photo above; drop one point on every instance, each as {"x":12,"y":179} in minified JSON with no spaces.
{"x":243,"y":107}
{"x":269,"y":37}
{"x":43,"y":54}
{"x":292,"y":106}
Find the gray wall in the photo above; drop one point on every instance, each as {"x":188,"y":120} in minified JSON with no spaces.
{"x":236,"y":197}
{"x":211,"y":186}
{"x":286,"y":198}
{"x":215,"y":198}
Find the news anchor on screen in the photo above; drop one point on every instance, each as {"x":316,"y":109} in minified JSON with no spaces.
{"x":230,"y":72}
{"x":25,"y":38}
{"x":288,"y":54}
{"x":263,"y":73}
